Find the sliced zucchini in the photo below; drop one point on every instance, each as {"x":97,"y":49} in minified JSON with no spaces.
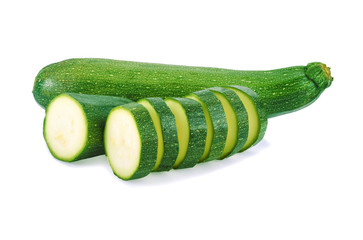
{"x":131,"y":141}
{"x":74,"y":124}
{"x":216,"y":124}
{"x":237,"y":120}
{"x":256,"y":114}
{"x":192,"y":130}
{"x":164,"y":122}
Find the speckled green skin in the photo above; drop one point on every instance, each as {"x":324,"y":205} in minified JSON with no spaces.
{"x":241,"y":114}
{"x":281,"y":90}
{"x":219,"y":122}
{"x":260,"y":111}
{"x":197,"y":131}
{"x":170,"y":134}
{"x":96,"y":109}
{"x":149,"y":140}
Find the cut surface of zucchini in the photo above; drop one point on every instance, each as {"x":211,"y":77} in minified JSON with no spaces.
{"x":65,"y":128}
{"x":131,"y":141}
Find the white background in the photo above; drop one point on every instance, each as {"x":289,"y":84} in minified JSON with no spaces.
{"x":303,"y":181}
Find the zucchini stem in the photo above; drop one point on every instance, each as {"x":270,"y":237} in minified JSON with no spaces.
{"x":320,"y":74}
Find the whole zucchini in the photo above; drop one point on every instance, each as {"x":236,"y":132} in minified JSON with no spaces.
{"x":281,"y":90}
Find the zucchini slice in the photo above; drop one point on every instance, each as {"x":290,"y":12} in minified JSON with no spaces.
{"x":131,"y":141}
{"x":164,"y":122}
{"x":256,"y":114}
{"x":237,"y":120}
{"x":192,"y":130}
{"x":216,"y":124}
{"x":74,"y":124}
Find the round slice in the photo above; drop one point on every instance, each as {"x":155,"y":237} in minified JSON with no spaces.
{"x":131,"y":141}
{"x":192,"y":130}
{"x":216,"y":124}
{"x":237,"y":120}
{"x":164,"y":122}
{"x":256,"y":114}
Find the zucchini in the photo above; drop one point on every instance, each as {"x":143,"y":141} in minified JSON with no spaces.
{"x":74,"y":124}
{"x":257,"y":123}
{"x":131,"y":141}
{"x":216,"y":124}
{"x":237,"y":120}
{"x":281,"y":90}
{"x":164,"y":122}
{"x":192,"y":130}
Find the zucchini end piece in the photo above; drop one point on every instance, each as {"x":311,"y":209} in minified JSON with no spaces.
{"x":65,"y":128}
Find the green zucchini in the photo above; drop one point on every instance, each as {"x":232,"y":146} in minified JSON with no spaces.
{"x":281,"y":90}
{"x":164,"y":122}
{"x":74,"y":124}
{"x":237,"y":120}
{"x":257,"y":123}
{"x":130,"y":141}
{"x":216,"y":124}
{"x":192,"y":130}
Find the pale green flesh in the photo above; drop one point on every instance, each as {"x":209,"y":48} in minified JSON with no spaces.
{"x":65,"y":128}
{"x":157,"y":123}
{"x":232,"y":133}
{"x":122,"y":143}
{"x":253,"y":118}
{"x":183,"y":130}
{"x":210,"y":130}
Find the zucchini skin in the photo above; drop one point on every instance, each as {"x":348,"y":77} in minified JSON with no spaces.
{"x":260,"y":111}
{"x":169,"y":131}
{"x":242,"y":117}
{"x":281,"y":91}
{"x":96,"y":109}
{"x":197,"y":132}
{"x":219,"y":122}
{"x":148,"y":137}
